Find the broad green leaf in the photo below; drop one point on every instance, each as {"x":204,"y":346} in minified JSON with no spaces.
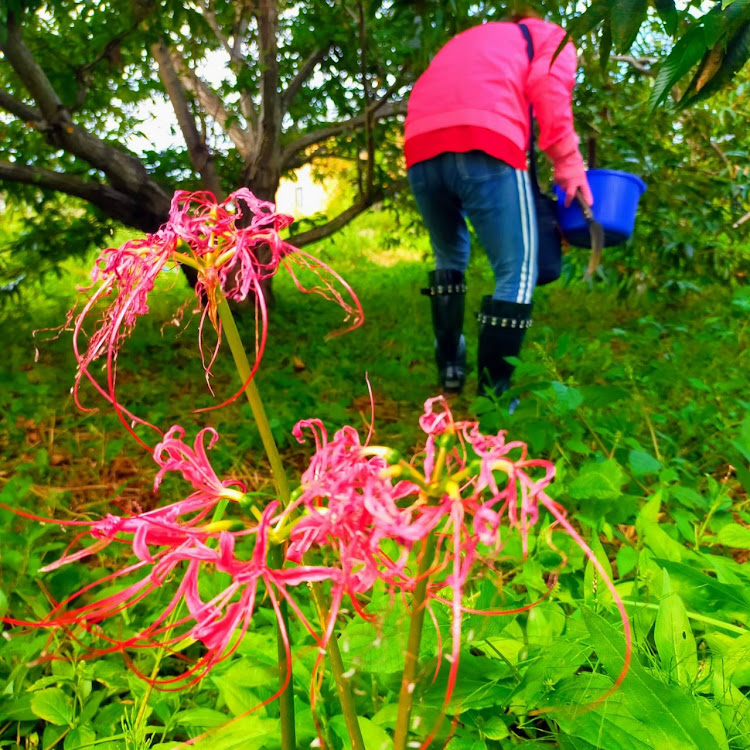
{"x":642,"y":463}
{"x":711,"y":719}
{"x":670,"y":713}
{"x":674,"y":637}
{"x":374,"y":736}
{"x":609,"y":726}
{"x":626,"y":20}
{"x":18,"y":709}
{"x":200,"y":717}
{"x":378,"y":647}
{"x":627,"y":559}
{"x":668,"y":14}
{"x":78,"y":737}
{"x":703,"y":593}
{"x":52,"y":734}
{"x":54,"y":706}
{"x":659,"y":542}
{"x":567,"y":398}
{"x":686,"y":53}
{"x":249,"y":733}
{"x":602,"y":480}
{"x":734,"y":535}
{"x":545,"y":623}
{"x":495,"y":729}
{"x":728,"y":653}
{"x":482,"y":682}
{"x":587,"y":21}
{"x":560,"y":660}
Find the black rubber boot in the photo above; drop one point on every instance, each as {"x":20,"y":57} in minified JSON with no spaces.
{"x":502,"y":326}
{"x":447,"y":292}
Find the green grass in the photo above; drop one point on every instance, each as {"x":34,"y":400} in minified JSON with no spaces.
{"x":641,"y":403}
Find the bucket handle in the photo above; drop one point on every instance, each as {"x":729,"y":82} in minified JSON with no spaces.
{"x":597,"y":237}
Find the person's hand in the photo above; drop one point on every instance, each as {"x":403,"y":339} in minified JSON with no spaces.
{"x":570,"y":175}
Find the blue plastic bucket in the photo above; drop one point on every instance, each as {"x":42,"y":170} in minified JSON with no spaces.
{"x":616,"y":195}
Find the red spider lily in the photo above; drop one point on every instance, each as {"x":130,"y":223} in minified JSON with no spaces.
{"x":235,"y":245}
{"x":470,"y":487}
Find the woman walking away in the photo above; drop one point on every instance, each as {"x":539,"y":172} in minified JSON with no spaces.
{"x":466,"y":140}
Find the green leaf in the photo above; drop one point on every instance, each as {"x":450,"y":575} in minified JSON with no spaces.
{"x":670,"y":713}
{"x":610,"y":726}
{"x":602,"y":480}
{"x":252,"y":732}
{"x":374,"y":736}
{"x":54,"y":706}
{"x":703,"y":593}
{"x":659,"y":542}
{"x":642,"y":463}
{"x":200,"y":717}
{"x":626,"y":20}
{"x":79,"y":737}
{"x":567,"y":398}
{"x":734,"y":535}
{"x":674,"y":637}
{"x":545,"y":623}
{"x":686,"y":53}
{"x":668,"y":14}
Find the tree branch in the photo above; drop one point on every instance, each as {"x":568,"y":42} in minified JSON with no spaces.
{"x":325,"y":230}
{"x":641,"y":64}
{"x":117,"y":205}
{"x":304,"y":72}
{"x":200,"y":156}
{"x":379,"y":111}
{"x":18,"y":108}
{"x":337,"y":222}
{"x":242,"y":139}
{"x":125,"y":172}
{"x":270,"y":112}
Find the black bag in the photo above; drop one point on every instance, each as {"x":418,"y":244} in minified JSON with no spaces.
{"x":549,"y":258}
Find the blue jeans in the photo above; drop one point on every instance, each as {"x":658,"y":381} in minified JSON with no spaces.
{"x":498,"y":201}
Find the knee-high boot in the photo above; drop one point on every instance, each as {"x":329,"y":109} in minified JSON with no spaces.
{"x":502,"y":327}
{"x":447,"y":292}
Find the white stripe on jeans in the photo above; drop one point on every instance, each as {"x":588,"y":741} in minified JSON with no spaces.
{"x":522,"y":282}
{"x":533,"y":240}
{"x":529,"y":235}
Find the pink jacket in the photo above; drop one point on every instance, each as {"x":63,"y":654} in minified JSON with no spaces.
{"x":482,"y":78}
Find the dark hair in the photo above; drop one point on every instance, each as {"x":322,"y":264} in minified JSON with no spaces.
{"x":518,"y":12}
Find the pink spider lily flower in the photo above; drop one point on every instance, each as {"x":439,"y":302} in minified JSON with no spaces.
{"x":190,"y":556}
{"x":179,"y":541}
{"x":472,"y":487}
{"x":235,"y":246}
{"x":352,"y":508}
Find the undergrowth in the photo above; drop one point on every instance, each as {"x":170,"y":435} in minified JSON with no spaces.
{"x":642,"y":404}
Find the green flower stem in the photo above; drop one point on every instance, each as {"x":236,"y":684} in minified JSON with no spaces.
{"x":286,"y":705}
{"x":242,"y":363}
{"x":408,"y":681}
{"x":693,"y":616}
{"x":229,"y":327}
{"x":346,"y":700}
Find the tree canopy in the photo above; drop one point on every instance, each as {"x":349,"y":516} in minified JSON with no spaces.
{"x":259,"y":88}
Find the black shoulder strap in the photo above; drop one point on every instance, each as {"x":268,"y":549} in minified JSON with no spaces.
{"x":532,"y":139}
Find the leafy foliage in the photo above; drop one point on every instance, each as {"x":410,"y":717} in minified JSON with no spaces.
{"x":645,"y":415}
